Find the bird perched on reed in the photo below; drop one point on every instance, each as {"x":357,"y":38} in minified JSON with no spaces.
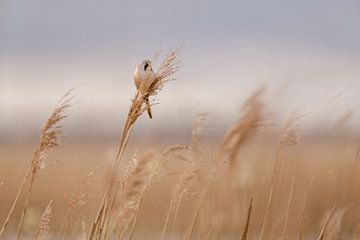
{"x":143,"y":77}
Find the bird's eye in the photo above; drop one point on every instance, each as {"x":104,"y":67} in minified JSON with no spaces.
{"x":146,"y":66}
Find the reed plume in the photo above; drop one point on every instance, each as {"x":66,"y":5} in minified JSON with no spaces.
{"x":49,"y":139}
{"x":44,"y":223}
{"x":182,"y":188}
{"x":79,"y":198}
{"x":288,"y":137}
{"x":245,"y":129}
{"x":134,"y":187}
{"x":165,"y":73}
{"x":181,"y":191}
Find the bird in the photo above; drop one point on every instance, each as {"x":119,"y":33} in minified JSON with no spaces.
{"x":143,"y":77}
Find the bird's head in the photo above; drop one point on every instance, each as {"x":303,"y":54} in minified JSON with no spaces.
{"x":146,"y":66}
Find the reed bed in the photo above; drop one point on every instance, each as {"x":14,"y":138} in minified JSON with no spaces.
{"x":246,"y":184}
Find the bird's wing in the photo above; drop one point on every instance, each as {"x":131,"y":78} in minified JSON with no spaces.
{"x":137,"y":79}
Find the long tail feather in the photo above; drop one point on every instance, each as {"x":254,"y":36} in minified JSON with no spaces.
{"x":148,"y":106}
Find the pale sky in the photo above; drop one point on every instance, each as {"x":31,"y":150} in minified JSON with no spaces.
{"x":306,"y":52}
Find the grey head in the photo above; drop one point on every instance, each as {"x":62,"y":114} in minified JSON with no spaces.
{"x":146,"y":65}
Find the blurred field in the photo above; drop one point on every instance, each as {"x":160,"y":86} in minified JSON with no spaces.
{"x":259,"y":179}
{"x":331,"y":165}
{"x":257,"y":139}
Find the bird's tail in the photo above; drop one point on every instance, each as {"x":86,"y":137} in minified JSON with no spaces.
{"x":148,"y":106}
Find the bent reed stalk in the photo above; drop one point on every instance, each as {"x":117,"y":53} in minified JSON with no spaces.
{"x":166,"y":71}
{"x":49,"y":139}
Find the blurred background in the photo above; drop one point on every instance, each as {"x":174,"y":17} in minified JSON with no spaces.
{"x":307,"y":53}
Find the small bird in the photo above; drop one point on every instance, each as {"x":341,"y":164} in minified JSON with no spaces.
{"x":143,"y":77}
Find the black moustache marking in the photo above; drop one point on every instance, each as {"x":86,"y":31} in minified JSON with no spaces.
{"x":146,"y":66}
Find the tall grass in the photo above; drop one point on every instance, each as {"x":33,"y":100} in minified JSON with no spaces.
{"x":44,"y":223}
{"x":165,"y":73}
{"x":49,"y":139}
{"x":200,"y":189}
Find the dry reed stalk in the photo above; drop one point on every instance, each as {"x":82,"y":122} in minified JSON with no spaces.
{"x":79,"y":198}
{"x":246,"y":229}
{"x":291,"y":197}
{"x":209,"y":184}
{"x":44,"y":223}
{"x":79,"y":232}
{"x":351,"y":178}
{"x":239,"y":134}
{"x":101,"y":226}
{"x":110,"y":208}
{"x":135,"y":220}
{"x":210,"y":233}
{"x":181,"y":190}
{"x":49,"y":139}
{"x":119,"y":185}
{"x":194,"y":147}
{"x":245,"y":129}
{"x":83,"y":233}
{"x":288,"y":137}
{"x":214,"y":227}
{"x":176,"y":150}
{"x":135,"y":185}
{"x":172,"y":150}
{"x":152,"y":178}
{"x":335,"y":225}
{"x":76,"y":231}
{"x":196,"y":216}
{"x":99,"y":215}
{"x":218,"y":227}
{"x":165,"y":73}
{"x":302,"y":218}
{"x":15,"y":201}
{"x":326,"y":223}
{"x":357,"y":232}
